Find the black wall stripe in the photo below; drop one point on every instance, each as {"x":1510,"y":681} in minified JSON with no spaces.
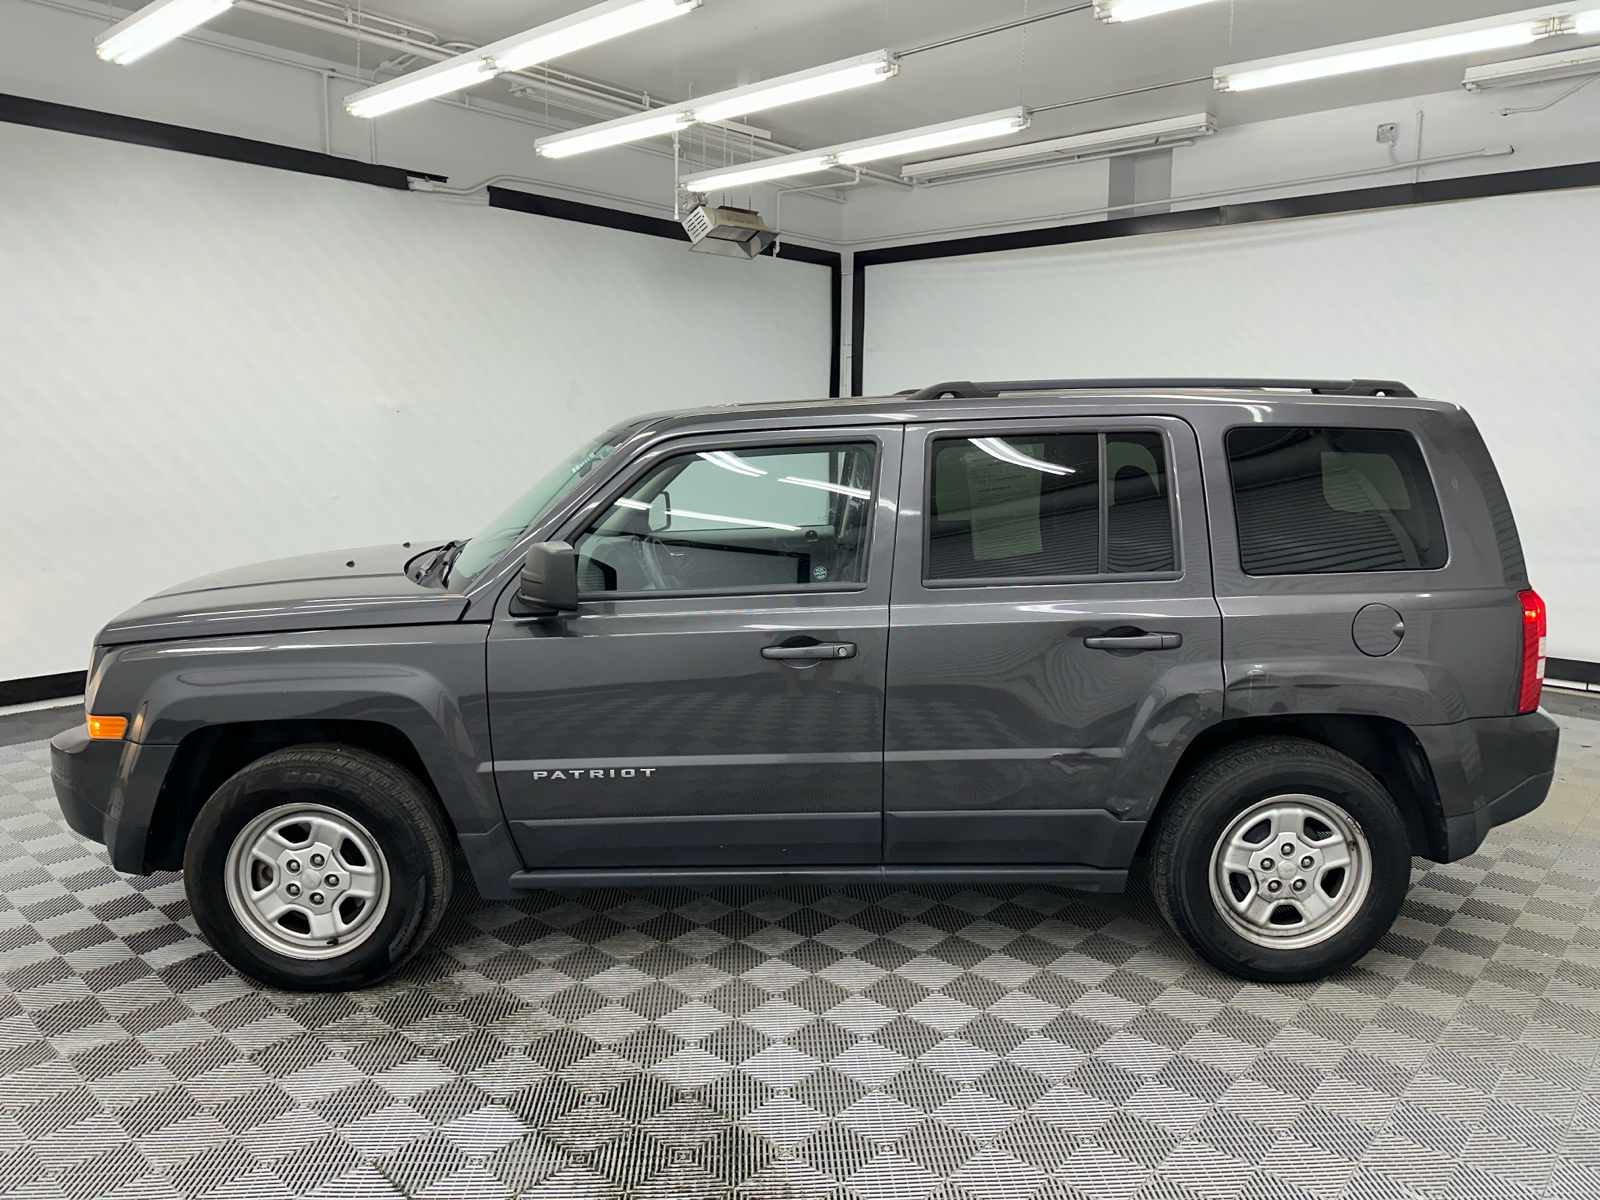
{"x":613,"y":218}
{"x":1572,"y":670}
{"x":42,"y":687}
{"x":43,"y":114}
{"x":1403,"y":195}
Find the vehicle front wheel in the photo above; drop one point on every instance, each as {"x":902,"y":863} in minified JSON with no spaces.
{"x":1281,"y":860}
{"x":318,"y":868}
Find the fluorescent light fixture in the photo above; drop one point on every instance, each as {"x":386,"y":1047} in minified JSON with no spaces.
{"x":1540,"y":68}
{"x":852,"y":154}
{"x":588,"y":27}
{"x":614,"y":133}
{"x":1421,"y":45}
{"x":1587,"y":22}
{"x":1132,"y":10}
{"x":1075,"y":146}
{"x":154,"y":25}
{"x":438,"y":80}
{"x":761,"y":172}
{"x":854,"y":493}
{"x":724,"y":106}
{"x":582,"y":29}
{"x":1007,"y":453}
{"x":730,"y":461}
{"x":700,"y":516}
{"x":934,"y":137}
{"x":801,"y":85}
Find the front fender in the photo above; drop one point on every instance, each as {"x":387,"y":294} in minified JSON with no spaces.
{"x":427,"y":682}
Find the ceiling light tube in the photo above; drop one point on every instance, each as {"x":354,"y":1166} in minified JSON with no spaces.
{"x":1132,"y":10}
{"x":722,"y":106}
{"x":1007,"y":453}
{"x":730,"y":461}
{"x":614,"y":133}
{"x":852,"y":154}
{"x":1078,"y":145}
{"x":1420,"y":45}
{"x":793,"y":88}
{"x":588,"y":27}
{"x":452,"y":75}
{"x":154,"y":25}
{"x":933,"y":137}
{"x":1587,"y":22}
{"x":761,"y":172}
{"x":1539,"y":68}
{"x":839,"y":489}
{"x":582,"y":29}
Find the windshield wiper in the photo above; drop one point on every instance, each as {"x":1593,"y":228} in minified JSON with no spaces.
{"x":440,"y":563}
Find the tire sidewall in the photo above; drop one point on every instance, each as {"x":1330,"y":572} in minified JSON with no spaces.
{"x":265,"y":786}
{"x":1363,"y":802}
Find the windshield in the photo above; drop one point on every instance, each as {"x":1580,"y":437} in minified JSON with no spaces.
{"x":505,"y":529}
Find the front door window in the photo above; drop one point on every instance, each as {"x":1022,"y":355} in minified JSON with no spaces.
{"x":768,"y":519}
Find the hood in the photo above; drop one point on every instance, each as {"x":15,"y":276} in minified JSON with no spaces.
{"x":335,"y":589}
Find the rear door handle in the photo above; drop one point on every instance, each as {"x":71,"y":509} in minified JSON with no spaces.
{"x":1136,"y":641}
{"x":820,"y":650}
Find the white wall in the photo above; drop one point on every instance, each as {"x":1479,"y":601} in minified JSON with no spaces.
{"x":1487,"y":303}
{"x":208,"y":363}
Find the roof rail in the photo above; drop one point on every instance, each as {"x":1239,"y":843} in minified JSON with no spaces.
{"x":967,"y":390}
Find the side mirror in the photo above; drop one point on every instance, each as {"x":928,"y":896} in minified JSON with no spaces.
{"x":660,"y":517}
{"x":549,"y":582}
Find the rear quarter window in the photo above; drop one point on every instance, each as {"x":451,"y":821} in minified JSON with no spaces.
{"x":1313,"y":501}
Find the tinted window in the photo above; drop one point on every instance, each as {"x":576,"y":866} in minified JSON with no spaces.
{"x":1032,"y":506}
{"x":777,"y":517}
{"x":1138,"y":505}
{"x":1313,"y":501}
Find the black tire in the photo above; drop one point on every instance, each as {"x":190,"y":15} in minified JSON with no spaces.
{"x":1205,"y":806}
{"x":389,"y":803}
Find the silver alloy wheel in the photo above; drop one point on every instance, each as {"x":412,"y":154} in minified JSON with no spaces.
{"x":307,"y":881}
{"x":1290,"y":871}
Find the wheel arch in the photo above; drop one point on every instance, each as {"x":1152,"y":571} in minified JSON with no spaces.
{"x":1386,"y":748}
{"x":209,"y":756}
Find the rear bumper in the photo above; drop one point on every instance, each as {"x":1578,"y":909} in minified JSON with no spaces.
{"x":107,"y":791}
{"x":1488,"y":771}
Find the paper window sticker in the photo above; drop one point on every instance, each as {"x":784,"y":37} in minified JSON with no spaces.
{"x":1005,"y":505}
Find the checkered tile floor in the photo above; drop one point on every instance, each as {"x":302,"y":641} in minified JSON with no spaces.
{"x":959,"y":1044}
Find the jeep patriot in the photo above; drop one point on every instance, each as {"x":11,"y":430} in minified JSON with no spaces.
{"x":1269,"y":638}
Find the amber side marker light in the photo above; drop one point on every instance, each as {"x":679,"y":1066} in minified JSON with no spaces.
{"x":111,"y":728}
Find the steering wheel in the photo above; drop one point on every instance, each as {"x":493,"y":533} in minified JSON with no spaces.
{"x":656,"y":560}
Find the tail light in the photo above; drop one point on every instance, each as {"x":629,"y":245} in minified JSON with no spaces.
{"x":1533,"y":635}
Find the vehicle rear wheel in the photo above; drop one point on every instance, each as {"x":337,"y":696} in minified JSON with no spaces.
{"x":1281,"y":860}
{"x":318,"y":868}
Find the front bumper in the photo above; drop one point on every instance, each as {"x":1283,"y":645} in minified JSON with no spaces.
{"x":1488,"y":771}
{"x":107,"y":791}
{"x":83,"y":771}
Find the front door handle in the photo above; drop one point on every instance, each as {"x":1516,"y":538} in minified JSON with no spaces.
{"x":1135,"y":641}
{"x":820,"y":650}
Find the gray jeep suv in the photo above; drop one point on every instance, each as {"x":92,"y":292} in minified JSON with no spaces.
{"x":1273,"y":636}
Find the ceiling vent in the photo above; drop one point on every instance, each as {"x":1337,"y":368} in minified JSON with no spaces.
{"x":734,"y":232}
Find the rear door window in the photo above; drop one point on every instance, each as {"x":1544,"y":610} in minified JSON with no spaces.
{"x":1034,"y":507}
{"x":1312,"y":501}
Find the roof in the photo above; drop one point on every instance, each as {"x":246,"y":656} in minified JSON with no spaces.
{"x":966,"y":400}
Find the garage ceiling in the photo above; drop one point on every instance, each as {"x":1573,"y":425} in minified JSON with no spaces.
{"x":732,"y":42}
